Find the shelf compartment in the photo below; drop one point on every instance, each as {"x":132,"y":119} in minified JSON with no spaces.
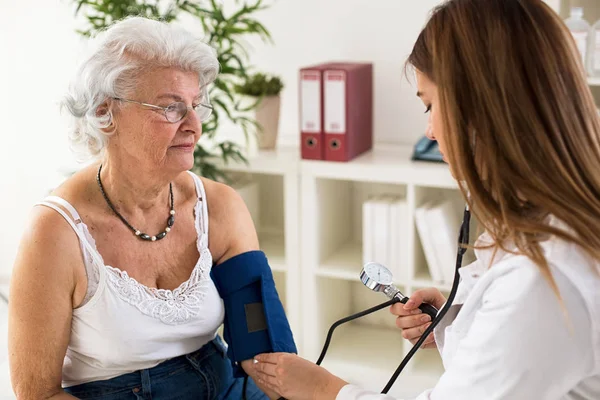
{"x":362,"y":298}
{"x":426,"y":282}
{"x":368,"y":356}
{"x":383,"y":164}
{"x":273,"y":246}
{"x":339,"y":299}
{"x":264,"y":198}
{"x":361,"y":353}
{"x":422,"y":274}
{"x":281,"y":287}
{"x":344,"y":263}
{"x":275,"y":162}
{"x":435,"y":254}
{"x":339,"y":220}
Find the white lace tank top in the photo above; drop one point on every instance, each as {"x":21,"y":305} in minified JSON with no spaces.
{"x":124,"y":326}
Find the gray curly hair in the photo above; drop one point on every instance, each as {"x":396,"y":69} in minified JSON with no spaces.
{"x":120,"y":53}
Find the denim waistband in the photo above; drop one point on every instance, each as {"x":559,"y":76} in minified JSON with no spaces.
{"x":167,"y":367}
{"x":164,"y":369}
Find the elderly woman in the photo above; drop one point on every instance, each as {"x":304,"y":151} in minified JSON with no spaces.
{"x":112,"y":296}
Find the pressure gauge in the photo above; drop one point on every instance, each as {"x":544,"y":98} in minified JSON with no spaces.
{"x":379,"y":279}
{"x":376,"y":277}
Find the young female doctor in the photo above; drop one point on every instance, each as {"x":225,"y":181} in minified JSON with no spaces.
{"x":512,"y":113}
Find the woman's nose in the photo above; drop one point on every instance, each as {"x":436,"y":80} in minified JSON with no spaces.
{"x":191,"y":123}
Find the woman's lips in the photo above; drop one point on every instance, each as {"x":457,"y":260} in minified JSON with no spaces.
{"x":184,"y":147}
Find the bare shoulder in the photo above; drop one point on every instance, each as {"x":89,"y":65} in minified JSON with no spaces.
{"x":48,"y":255}
{"x":49,"y":248}
{"x":80,"y":188}
{"x":232,"y":230}
{"x":223,"y":200}
{"x":43,"y":289}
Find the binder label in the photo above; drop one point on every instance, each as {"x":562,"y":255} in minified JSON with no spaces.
{"x":310,"y":101}
{"x":335,"y":101}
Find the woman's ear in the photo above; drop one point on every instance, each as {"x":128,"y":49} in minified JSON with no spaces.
{"x":105,"y":112}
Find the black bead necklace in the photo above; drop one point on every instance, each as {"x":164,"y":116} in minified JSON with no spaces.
{"x":143,"y":236}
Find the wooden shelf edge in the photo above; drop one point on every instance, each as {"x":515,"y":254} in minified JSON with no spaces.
{"x":594,"y":81}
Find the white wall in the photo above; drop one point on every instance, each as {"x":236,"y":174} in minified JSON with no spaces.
{"x":379,"y":31}
{"x":39,"y":49}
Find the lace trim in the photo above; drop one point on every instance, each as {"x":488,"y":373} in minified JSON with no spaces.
{"x":172,"y":307}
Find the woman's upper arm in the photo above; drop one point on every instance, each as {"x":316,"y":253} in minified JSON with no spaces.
{"x":236,"y":232}
{"x":520,"y":344}
{"x":41,"y":303}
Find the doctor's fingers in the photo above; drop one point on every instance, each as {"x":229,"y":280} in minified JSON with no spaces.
{"x":427,"y":344}
{"x":398,"y":310}
{"x":271,"y":382}
{"x":266,"y":368}
{"x":414,"y":333}
{"x":412,"y":321}
{"x":432,"y":296}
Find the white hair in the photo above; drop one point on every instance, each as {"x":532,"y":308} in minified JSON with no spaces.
{"x":119,"y":54}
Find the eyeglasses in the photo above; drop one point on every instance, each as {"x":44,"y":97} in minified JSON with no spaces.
{"x":177,"y":111}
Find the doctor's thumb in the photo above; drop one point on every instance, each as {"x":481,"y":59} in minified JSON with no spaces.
{"x":429,"y":295}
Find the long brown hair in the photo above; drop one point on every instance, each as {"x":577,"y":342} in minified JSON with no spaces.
{"x":521,"y":126}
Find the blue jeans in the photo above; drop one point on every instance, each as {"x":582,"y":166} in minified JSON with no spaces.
{"x":205,"y":374}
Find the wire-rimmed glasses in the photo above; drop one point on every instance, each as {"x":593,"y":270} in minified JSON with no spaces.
{"x":176,"y":111}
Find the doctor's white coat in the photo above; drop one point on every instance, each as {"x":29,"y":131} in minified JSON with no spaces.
{"x":512,"y":339}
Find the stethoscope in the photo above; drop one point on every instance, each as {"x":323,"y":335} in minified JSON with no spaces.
{"x":379,"y":279}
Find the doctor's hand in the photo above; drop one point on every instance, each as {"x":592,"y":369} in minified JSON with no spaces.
{"x":295,"y":378}
{"x":248,"y":366}
{"x":413,"y":321}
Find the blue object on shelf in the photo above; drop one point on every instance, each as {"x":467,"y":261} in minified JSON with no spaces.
{"x":427,"y":150}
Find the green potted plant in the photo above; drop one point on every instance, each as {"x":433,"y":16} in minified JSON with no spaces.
{"x":227,"y":33}
{"x":265,"y":89}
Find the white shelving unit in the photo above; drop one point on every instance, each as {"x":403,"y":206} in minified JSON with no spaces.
{"x":366,"y":352}
{"x":591,"y":10}
{"x":591,"y":14}
{"x":276,"y":218}
{"x":318,"y":256}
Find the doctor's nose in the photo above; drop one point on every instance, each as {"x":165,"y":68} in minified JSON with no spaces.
{"x":429,"y":132}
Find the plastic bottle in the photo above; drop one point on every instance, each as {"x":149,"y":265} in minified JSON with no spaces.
{"x":594,"y":51}
{"x":580,"y":29}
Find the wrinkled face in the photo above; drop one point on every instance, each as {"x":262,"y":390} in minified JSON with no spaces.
{"x":144,"y":136}
{"x":428,"y":93}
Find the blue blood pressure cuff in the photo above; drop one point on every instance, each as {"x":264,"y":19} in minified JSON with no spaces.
{"x":255,"y":321}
